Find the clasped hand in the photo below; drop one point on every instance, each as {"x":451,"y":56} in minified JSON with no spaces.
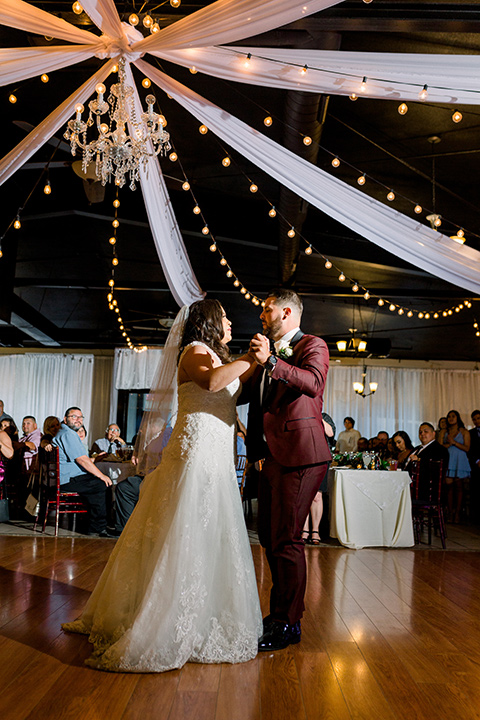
{"x":260,"y":348}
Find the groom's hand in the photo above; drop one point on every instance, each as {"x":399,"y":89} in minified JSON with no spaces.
{"x":260,"y":346}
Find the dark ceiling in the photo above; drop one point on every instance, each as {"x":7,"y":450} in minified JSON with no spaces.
{"x":55,"y":270}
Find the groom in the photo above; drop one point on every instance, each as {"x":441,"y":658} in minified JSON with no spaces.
{"x":285,"y":427}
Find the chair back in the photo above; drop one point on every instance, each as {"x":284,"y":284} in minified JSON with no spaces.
{"x":51,"y":469}
{"x":427,"y":478}
{"x":241,"y":468}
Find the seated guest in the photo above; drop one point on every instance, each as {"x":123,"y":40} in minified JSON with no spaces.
{"x":51,"y":426}
{"x":404,"y":447}
{"x":3,"y":414}
{"x":8,"y":424}
{"x":348,"y":439}
{"x":110,"y":443}
{"x":29,"y":443}
{"x":82,"y":434}
{"x":6,"y":453}
{"x":362,"y":445}
{"x":429,"y":449}
{"x":78,"y":472}
{"x":382,"y":446}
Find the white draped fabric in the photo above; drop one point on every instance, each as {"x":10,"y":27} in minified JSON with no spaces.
{"x":403,"y":236}
{"x":404,"y":399}
{"x":451,"y":79}
{"x":18,"y":64}
{"x":226,"y":21}
{"x":135,"y":371}
{"x":46,"y":384}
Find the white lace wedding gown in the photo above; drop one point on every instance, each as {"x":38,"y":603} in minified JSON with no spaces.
{"x":180,"y":583}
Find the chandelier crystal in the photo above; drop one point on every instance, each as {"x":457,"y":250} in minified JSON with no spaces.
{"x":116,"y":153}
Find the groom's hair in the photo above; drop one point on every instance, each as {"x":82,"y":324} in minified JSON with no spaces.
{"x":284,"y":296}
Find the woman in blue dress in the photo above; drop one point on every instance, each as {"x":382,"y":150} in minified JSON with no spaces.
{"x":457,"y":440}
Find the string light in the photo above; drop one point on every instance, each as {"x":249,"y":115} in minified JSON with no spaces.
{"x":381,"y":303}
{"x":403,"y":108}
{"x":417,"y":209}
{"x":304,"y":70}
{"x":196,"y":210}
{"x":308,"y":250}
{"x":422,"y":95}
{"x":391,"y":307}
{"x":272,"y":212}
{"x":391,"y":196}
{"x":205,"y":230}
{"x":146,"y":82}
{"x":328,"y":264}
{"x":307,"y":140}
{"x":115,"y":223}
{"x":213,"y":247}
{"x":226,"y":161}
{"x":175,"y":3}
{"x":203,"y":129}
{"x":291,"y":232}
{"x":186,"y":185}
{"x":223,"y":261}
{"x":147,"y":21}
{"x":116,"y":203}
{"x":12,"y":98}
{"x":267,"y":121}
{"x":335,"y":162}
{"x":48,"y":188}
{"x":247,"y":60}
{"x":363,"y":85}
{"x":193,"y":70}
{"x":341,"y":277}
{"x":457,"y":116}
{"x":77,"y":8}
{"x":361,"y":180}
{"x":44,"y":78}
{"x":17,"y":224}
{"x":112,"y":240}
{"x":355,"y":288}
{"x":133,"y":19}
{"x":155,"y":28}
{"x":173,"y":156}
{"x":353,"y":97}
{"x":366,"y":295}
{"x":253,"y":188}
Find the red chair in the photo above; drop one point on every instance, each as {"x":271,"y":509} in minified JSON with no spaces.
{"x":52,"y":497}
{"x":427,"y":478}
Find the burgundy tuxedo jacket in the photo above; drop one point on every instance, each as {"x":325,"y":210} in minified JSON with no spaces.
{"x":290,"y":417}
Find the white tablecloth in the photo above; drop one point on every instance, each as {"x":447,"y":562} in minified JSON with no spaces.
{"x":370,"y":508}
{"x":117,"y":471}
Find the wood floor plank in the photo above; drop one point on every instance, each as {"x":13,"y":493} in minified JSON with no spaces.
{"x":280,"y":694}
{"x":322,"y":696}
{"x":153,"y":696}
{"x":239,"y":692}
{"x":194,"y":706}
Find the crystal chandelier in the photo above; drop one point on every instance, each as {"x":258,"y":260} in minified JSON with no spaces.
{"x":115,"y":152}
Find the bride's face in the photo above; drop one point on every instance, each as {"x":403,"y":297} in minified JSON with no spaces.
{"x":227,"y":328}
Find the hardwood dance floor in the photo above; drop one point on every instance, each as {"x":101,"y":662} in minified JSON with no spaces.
{"x":387,"y":634}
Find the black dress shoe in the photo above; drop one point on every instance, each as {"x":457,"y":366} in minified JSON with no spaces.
{"x":113,"y":532}
{"x":267,"y":621}
{"x":279,"y":635}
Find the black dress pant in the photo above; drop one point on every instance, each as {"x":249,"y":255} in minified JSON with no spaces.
{"x":93,"y":491}
{"x":127,"y":493}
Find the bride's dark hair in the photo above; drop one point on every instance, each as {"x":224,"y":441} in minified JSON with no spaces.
{"x":204,"y":323}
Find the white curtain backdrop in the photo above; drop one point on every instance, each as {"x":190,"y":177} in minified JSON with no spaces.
{"x":135,"y":371}
{"x":42,"y":385}
{"x":403,"y":236}
{"x":404,"y":399}
{"x":390,"y":76}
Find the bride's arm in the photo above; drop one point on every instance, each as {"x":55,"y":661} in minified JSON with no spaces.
{"x":197,"y":365}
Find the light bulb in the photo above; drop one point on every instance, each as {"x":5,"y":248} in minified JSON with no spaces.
{"x":175,"y":3}
{"x":186,"y":185}
{"x":417,"y":209}
{"x":104,"y":128}
{"x":114,"y":69}
{"x":203,"y":129}
{"x":457,"y":116}
{"x":147,"y":21}
{"x":115,"y":223}
{"x":267,"y":121}
{"x":205,"y":230}
{"x":307,"y":140}
{"x":353,"y":97}
{"x":223,"y":261}
{"x":226,"y":161}
{"x":291,"y":232}
{"x":109,"y":297}
{"x":48,"y":188}
{"x":12,"y":98}
{"x":361,"y":180}
{"x":304,"y":70}
{"x":115,"y":261}
{"x":155,"y":28}
{"x":444,"y":313}
{"x":366,"y":295}
{"x":335,"y":162}
{"x":116,"y":203}
{"x":391,"y":307}
{"x":341,"y":345}
{"x":133,"y":19}
{"x":420,"y":315}
{"x":246,"y":62}
{"x":400,"y":311}
{"x":391,"y":195}
{"x":236,"y":283}
{"x":427,"y":316}
{"x":253,"y":188}
{"x":111,"y":282}
{"x":422,"y":95}
{"x":435,"y":315}
{"x":437,"y":222}
{"x":247,"y":296}
{"x":341,"y":277}
{"x":355,"y":287}
{"x":308,"y":250}
{"x":17,"y":224}
{"x":229,"y":274}
{"x":460,"y":233}
{"x":213,"y":247}
{"x":77,"y":8}
{"x":100,"y":88}
{"x":44,"y":78}
{"x":362,"y":346}
{"x":146,"y":82}
{"x":196,"y":210}
{"x":403,"y":108}
{"x":112,"y":240}
{"x":272,"y":212}
{"x":114,"y":303}
{"x":381,"y":302}
{"x":243,"y":290}
{"x":363,"y":85}
{"x":328,"y":264}
{"x":410,"y":314}
{"x":173,"y":156}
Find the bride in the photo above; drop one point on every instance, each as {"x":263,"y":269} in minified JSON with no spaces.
{"x":180,"y":584}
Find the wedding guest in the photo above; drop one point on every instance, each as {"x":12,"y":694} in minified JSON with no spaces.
{"x":429,"y":449}
{"x":312,"y":537}
{"x":347,"y":440}
{"x":8,"y":424}
{"x":404,"y":447}
{"x":82,"y":434}
{"x":362,"y":445}
{"x":382,"y":445}
{"x":441,"y":429}
{"x":3,"y":414}
{"x":109,"y":444}
{"x":78,"y":473}
{"x":6,"y":453}
{"x":457,"y":440}
{"x":29,"y":443}
{"x":474,"y":458}
{"x":51,"y":425}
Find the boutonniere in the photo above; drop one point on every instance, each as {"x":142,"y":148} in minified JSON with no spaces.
{"x":285,"y":352}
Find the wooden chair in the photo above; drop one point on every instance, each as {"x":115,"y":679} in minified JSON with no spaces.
{"x":241,"y":467}
{"x":51,"y":495}
{"x":427,"y":499}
